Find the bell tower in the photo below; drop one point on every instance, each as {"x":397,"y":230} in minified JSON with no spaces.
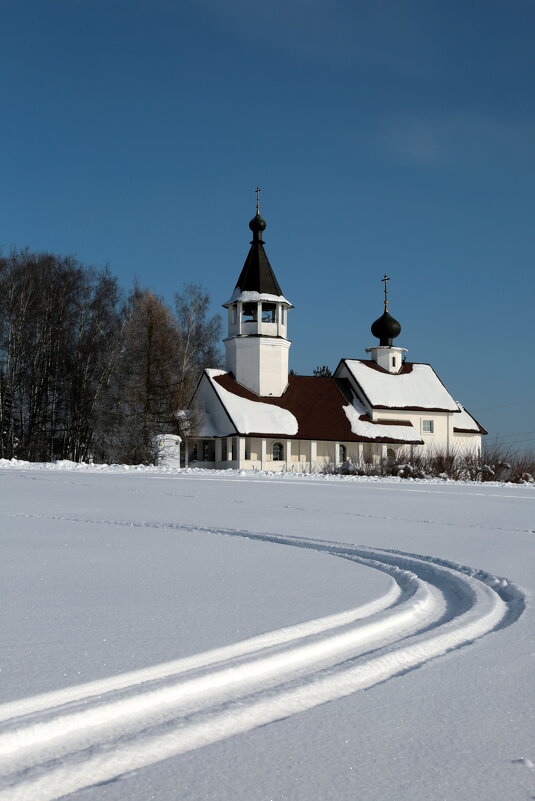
{"x":257,"y":346}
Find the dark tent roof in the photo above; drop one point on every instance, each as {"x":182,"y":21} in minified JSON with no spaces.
{"x":257,"y":274}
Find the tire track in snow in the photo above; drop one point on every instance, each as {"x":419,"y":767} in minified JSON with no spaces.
{"x":86,"y":735}
{"x":166,"y":670}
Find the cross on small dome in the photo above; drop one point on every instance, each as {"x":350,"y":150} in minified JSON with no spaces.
{"x":386,"y":328}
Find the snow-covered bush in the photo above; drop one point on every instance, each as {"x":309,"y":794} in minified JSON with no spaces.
{"x":495,"y":466}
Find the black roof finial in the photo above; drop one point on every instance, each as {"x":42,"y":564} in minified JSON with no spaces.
{"x":257,"y":224}
{"x":386,"y":328}
{"x":257,"y":274}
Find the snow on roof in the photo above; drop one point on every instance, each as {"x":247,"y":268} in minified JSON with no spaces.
{"x":250,"y":296}
{"x":254,"y":416}
{"x":355,"y":411}
{"x":317,"y":408}
{"x":417,"y":387}
{"x":465,"y":423}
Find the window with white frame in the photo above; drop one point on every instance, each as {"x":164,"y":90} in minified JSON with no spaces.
{"x":428,"y":426}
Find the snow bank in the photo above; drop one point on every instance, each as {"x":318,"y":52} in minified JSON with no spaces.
{"x":247,"y":475}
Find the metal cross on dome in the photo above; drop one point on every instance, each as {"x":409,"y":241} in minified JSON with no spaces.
{"x":258,"y":190}
{"x":385,"y":279}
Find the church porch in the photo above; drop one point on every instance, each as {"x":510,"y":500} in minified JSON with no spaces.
{"x":279,"y":454}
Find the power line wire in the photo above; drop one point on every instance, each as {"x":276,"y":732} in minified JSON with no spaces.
{"x":503,"y":405}
{"x":517,"y":434}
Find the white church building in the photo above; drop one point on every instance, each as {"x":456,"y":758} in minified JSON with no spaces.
{"x":255,"y":415}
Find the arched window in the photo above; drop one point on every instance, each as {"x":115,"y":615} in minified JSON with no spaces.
{"x":277,"y":451}
{"x":391,"y":455}
{"x":208,"y":450}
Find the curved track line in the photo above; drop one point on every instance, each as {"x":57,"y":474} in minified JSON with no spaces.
{"x":437,"y":606}
{"x":166,"y":670}
{"x":224,"y":684}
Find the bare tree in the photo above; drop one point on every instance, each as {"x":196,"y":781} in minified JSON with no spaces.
{"x":81,"y":375}
{"x":198,"y":338}
{"x":57,"y":324}
{"x":143,"y":392}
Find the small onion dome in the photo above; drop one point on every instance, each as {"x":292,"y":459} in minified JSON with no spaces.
{"x":257,"y":224}
{"x":386,"y":328}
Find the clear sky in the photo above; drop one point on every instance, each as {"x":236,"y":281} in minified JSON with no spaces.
{"x":387,"y":136}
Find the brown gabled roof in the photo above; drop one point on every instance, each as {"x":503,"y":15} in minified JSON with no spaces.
{"x":316,"y":403}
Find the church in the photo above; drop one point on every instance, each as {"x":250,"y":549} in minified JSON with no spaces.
{"x":256,"y":415}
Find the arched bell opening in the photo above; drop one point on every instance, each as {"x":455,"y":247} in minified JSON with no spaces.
{"x":269,"y":312}
{"x":249,"y":312}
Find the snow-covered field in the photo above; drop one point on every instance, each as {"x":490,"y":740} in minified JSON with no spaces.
{"x":202,"y":635}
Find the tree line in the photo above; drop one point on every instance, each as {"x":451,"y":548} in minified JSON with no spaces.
{"x":88,"y":373}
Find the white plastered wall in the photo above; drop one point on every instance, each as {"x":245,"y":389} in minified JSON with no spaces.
{"x":441,"y":437}
{"x":469,"y":444}
{"x":206,"y":400}
{"x":388,"y":357}
{"x":259,"y":363}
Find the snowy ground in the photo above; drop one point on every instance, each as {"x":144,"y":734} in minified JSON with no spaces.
{"x":187,"y":635}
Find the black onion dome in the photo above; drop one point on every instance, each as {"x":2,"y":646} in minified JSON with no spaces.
{"x":257,"y":224}
{"x":386,"y":328}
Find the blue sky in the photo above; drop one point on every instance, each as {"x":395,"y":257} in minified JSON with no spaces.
{"x":386,"y":136}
